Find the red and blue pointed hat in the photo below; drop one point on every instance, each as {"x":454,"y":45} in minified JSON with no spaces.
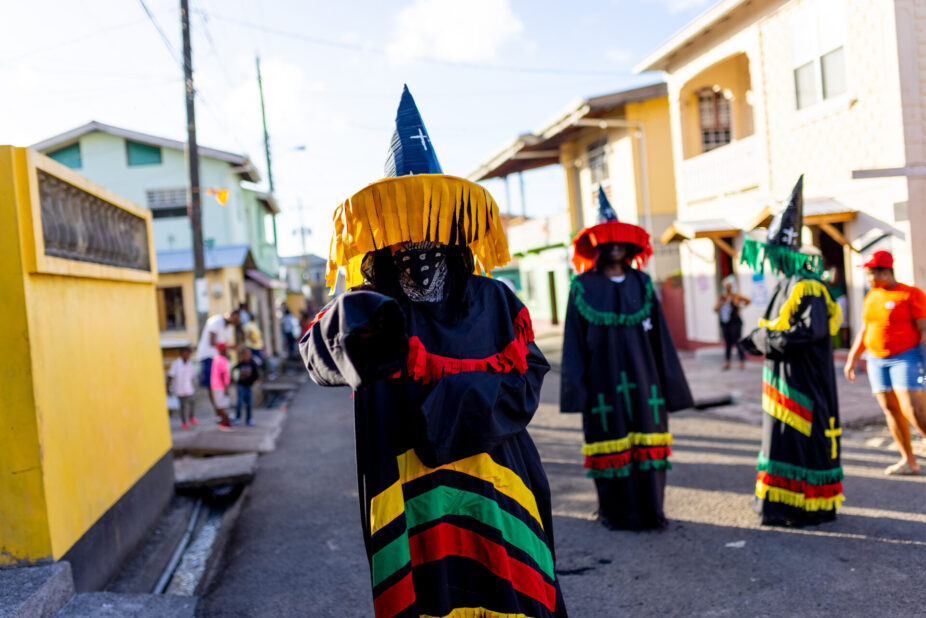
{"x":609,"y":229}
{"x":415,"y":202}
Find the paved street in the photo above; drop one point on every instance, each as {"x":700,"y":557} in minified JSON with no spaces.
{"x":297,"y":548}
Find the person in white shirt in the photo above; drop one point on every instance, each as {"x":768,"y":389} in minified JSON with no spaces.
{"x":218,"y":329}
{"x":181,"y":381}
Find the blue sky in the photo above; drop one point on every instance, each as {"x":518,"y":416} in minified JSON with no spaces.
{"x":482,"y":71}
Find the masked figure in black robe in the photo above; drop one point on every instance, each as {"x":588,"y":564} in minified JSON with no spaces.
{"x":621,"y":371}
{"x":455,"y":504}
{"x":799,"y":476}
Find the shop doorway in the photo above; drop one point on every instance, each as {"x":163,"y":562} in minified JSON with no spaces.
{"x":834,"y":266}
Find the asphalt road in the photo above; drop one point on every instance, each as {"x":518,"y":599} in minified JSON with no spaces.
{"x":297,"y":548}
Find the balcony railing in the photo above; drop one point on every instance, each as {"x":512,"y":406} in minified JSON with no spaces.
{"x":730,"y":169}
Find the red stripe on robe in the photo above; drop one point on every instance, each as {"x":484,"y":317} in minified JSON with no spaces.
{"x":448,"y":540}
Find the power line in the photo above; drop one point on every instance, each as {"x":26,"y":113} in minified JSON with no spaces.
{"x":157,"y":26}
{"x":378,"y":50}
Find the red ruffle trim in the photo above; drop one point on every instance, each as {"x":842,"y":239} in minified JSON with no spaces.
{"x":317,"y":317}
{"x":801,"y":487}
{"x":428,"y":367}
{"x":586,"y":243}
{"x":619,"y":460}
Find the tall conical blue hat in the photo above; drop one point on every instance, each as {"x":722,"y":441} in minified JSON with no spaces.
{"x":410,"y":151}
{"x":605,"y":212}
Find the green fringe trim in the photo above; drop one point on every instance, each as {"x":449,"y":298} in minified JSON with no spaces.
{"x":624,"y":471}
{"x":781,"y":260}
{"x":814,"y":477}
{"x":609,"y":318}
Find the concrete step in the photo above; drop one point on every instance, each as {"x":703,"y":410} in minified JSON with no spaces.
{"x":194,"y":472}
{"x":119,"y":605}
{"x":206,"y":438}
{"x":35,"y":592}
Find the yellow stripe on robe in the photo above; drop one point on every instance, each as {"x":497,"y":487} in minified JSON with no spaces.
{"x":622,"y":444}
{"x":797,"y":500}
{"x":390,"y":503}
{"x":476,"y":612}
{"x":786,"y":416}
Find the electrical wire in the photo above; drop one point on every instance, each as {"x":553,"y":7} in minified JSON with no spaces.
{"x":157,"y":26}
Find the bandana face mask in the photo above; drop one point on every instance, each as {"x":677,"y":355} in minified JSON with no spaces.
{"x":422,"y":270}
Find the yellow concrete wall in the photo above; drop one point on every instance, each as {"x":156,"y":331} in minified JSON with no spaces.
{"x":94,"y":368}
{"x":296,"y":303}
{"x":654,"y":114}
{"x":24,"y":535}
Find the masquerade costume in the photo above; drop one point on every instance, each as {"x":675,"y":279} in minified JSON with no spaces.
{"x":799,"y":478}
{"x":455,"y":505}
{"x":621,"y":371}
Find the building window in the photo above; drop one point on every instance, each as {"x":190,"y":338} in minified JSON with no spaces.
{"x":69,"y":155}
{"x":714,"y":114}
{"x":166,"y":203}
{"x":172,"y":316}
{"x":142,"y":154}
{"x":818,"y":58}
{"x":598,"y":160}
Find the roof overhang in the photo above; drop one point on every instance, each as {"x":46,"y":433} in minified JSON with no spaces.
{"x":263,"y":280}
{"x":820,"y":212}
{"x":269,"y":201}
{"x":708,"y":228}
{"x":541,"y":147}
{"x":717,"y":230}
{"x":659,"y":59}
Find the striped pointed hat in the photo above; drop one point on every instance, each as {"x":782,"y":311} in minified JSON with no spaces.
{"x":415,"y":202}
{"x":609,"y":229}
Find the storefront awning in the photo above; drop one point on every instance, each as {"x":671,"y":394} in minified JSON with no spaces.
{"x":715,"y":229}
{"x":820,"y":212}
{"x":260,"y":278}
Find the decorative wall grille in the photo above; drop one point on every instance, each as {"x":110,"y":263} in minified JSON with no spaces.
{"x":80,"y":226}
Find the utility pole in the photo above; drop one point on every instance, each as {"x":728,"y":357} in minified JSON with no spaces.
{"x":263,"y":116}
{"x":196,"y":216}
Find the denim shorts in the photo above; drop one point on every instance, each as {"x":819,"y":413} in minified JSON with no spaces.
{"x":905,"y":371}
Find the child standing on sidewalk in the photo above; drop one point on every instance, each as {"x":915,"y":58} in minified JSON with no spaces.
{"x":247,"y":372}
{"x":219,"y":381}
{"x":181,"y":381}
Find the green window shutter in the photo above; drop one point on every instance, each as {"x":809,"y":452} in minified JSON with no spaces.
{"x":69,"y":155}
{"x":142,"y":154}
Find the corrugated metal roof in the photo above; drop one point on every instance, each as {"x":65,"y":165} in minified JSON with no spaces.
{"x":181,"y":260}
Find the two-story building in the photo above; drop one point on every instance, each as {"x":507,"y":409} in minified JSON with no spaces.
{"x":619,"y":141}
{"x":762,"y":91}
{"x":238,"y":231}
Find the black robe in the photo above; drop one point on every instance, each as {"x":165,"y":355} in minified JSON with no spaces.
{"x":799,"y":477}
{"x":455,"y":504}
{"x":622,"y":372}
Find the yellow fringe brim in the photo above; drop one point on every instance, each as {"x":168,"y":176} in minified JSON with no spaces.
{"x":414,"y":209}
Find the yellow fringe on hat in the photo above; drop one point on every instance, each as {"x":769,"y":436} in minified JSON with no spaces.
{"x":414,"y":209}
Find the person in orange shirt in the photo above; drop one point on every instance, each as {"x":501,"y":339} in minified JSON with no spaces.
{"x":894,"y":326}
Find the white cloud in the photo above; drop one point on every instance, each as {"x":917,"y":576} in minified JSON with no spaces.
{"x":454,"y":30}
{"x":619,"y":57}
{"x":680,"y":6}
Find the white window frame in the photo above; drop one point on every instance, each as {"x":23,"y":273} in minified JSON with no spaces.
{"x":815,"y":31}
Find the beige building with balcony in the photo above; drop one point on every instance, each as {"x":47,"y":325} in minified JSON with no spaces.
{"x":762,"y":91}
{"x":619,"y":140}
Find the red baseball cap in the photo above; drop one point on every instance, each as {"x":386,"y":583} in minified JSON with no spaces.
{"x":220,"y":347}
{"x":880,"y":259}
